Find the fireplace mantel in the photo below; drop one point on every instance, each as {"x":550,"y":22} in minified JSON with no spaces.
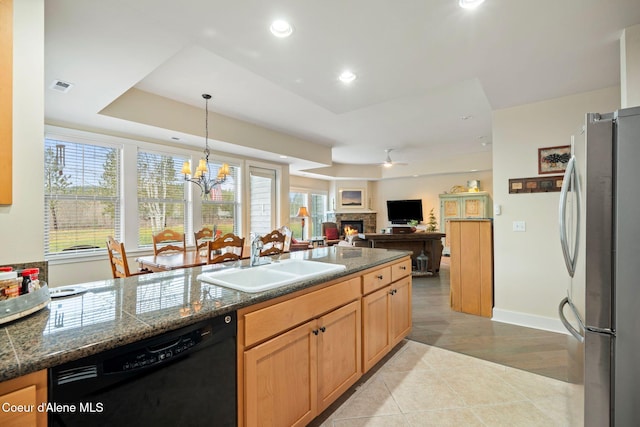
{"x":351,"y":211}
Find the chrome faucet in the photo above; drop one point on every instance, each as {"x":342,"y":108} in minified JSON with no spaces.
{"x":256,"y":246}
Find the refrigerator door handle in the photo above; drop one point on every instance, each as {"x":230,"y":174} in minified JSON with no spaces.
{"x":579,"y":335}
{"x":570,"y":178}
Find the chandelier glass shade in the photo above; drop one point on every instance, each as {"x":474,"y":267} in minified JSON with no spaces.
{"x":202,"y":176}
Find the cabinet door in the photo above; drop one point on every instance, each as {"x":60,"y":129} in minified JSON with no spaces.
{"x":339,"y":353}
{"x":280,"y":379}
{"x":375,"y":327}
{"x":29,"y":390}
{"x":400,"y":306}
{"x":474,"y":207}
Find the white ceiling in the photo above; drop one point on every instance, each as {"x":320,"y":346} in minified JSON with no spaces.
{"x":422,"y":65}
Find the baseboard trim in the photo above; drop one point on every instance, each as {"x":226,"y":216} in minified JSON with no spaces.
{"x":529,"y":321}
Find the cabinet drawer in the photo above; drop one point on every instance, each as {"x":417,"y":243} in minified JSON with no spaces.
{"x":376,"y":280}
{"x":269,"y":321}
{"x":400,"y":270}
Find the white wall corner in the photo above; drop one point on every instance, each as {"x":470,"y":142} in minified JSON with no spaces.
{"x":529,"y":321}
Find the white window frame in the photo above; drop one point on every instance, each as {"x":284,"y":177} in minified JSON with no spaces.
{"x":128,"y":193}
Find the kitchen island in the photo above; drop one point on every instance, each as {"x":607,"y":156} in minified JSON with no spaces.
{"x":114,"y":313}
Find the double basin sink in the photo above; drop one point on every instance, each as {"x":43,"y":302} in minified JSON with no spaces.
{"x":269,"y":276}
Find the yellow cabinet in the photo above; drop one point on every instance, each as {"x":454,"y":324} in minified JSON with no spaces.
{"x":293,"y":377}
{"x":386,"y":317}
{"x":298,"y":353}
{"x":472,"y":267}
{"x":281,"y":379}
{"x":400,"y":307}
{"x":20,"y":398}
{"x":6,"y":103}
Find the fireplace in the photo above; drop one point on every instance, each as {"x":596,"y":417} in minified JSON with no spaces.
{"x":367,"y":219}
{"x":346,"y":225}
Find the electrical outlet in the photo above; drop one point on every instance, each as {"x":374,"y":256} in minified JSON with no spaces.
{"x":519,"y":226}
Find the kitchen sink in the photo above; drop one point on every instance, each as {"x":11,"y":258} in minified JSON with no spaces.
{"x":269,"y":276}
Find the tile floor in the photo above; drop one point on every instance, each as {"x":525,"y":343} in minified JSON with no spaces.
{"x":422,"y":385}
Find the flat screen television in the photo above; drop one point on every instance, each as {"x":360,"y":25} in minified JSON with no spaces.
{"x":403,"y":211}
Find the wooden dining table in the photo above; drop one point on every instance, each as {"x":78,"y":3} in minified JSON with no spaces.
{"x":172,"y":261}
{"x":177,"y":260}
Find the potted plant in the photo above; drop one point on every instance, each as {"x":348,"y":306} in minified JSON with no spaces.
{"x":432,"y":224}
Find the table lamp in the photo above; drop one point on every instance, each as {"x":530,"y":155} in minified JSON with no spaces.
{"x":302,"y":213}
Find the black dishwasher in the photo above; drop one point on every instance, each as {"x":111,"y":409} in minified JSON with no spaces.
{"x":186,"y":377}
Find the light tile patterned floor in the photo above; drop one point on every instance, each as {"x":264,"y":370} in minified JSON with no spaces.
{"x":421,"y":385}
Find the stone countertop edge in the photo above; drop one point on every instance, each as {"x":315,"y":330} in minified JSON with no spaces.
{"x":115,"y":312}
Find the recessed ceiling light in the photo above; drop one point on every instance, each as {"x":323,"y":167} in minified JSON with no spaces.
{"x":465,"y":117}
{"x":281,"y":28}
{"x":347,"y":76}
{"x":470,"y":4}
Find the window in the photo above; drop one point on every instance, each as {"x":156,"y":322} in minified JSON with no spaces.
{"x":263,"y":199}
{"x":316,"y":203}
{"x":82,"y":196}
{"x":318,"y":213}
{"x":161,"y":195}
{"x":222,"y":209}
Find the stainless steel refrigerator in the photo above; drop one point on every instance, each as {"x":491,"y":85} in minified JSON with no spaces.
{"x":599,"y":217}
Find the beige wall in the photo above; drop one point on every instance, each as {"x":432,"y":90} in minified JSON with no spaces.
{"x":630,"y":67}
{"x":21,"y":224}
{"x":530,"y":277}
{"x":427,"y":188}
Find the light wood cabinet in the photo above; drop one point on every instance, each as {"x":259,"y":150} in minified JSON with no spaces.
{"x":28,"y":392}
{"x":339,"y":353}
{"x":472,"y":267}
{"x":6,"y":102}
{"x":295,"y":374}
{"x":298,"y":353}
{"x":462,"y":206}
{"x":386,"y":315}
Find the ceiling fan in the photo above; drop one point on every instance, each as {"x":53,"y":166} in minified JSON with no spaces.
{"x":388,"y":162}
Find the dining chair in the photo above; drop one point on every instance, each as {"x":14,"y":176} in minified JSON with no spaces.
{"x":225,"y":248}
{"x":273,"y":243}
{"x":118,"y":260}
{"x":202,"y":238}
{"x":167,"y":241}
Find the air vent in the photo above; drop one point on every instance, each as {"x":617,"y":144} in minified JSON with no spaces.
{"x":61,"y":86}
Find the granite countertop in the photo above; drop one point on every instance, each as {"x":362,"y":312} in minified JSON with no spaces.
{"x":112,"y":313}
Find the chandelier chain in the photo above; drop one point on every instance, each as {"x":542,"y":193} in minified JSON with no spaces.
{"x":206,"y":126}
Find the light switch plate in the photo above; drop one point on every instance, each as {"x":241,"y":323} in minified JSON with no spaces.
{"x":519,"y":226}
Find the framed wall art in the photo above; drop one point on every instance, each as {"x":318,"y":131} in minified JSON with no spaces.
{"x":351,"y":198}
{"x":537,"y":184}
{"x":553,"y":159}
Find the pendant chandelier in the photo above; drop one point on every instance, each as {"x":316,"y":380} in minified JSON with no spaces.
{"x":202,"y":178}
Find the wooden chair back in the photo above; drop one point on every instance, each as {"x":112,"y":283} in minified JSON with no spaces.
{"x":225,"y":248}
{"x":273,"y":243}
{"x":202,"y":238}
{"x":167,"y":241}
{"x":118,"y":260}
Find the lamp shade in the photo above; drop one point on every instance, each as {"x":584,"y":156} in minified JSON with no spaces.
{"x":302,"y":212}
